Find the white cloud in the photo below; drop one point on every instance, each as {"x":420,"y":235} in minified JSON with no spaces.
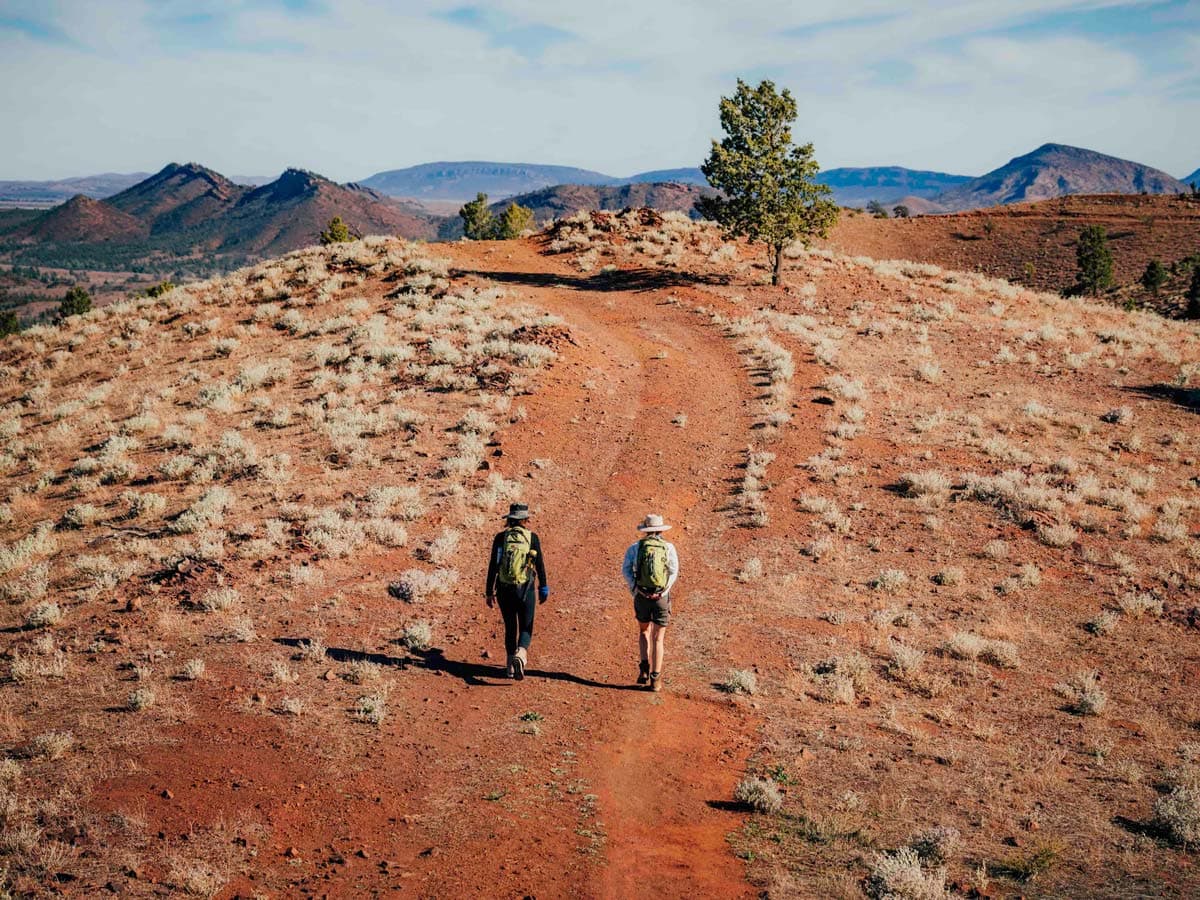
{"x":364,"y":86}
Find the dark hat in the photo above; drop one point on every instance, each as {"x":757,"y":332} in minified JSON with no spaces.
{"x":517,"y":511}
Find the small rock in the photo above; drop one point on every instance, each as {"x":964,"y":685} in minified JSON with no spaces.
{"x":486,"y":654}
{"x":167,"y":795}
{"x":363,"y":854}
{"x":258,"y":697}
{"x":291,"y":852}
{"x":330,"y":675}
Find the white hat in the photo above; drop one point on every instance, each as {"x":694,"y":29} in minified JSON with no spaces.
{"x":652,"y":523}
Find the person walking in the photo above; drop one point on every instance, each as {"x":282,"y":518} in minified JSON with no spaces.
{"x":650,"y":569}
{"x":515,"y":559}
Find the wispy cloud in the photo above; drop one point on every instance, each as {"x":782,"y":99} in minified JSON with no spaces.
{"x":355,"y":86}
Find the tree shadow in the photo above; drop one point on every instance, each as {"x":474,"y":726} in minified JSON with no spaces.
{"x":1148,"y":828}
{"x":435,"y":660}
{"x":633,"y":280}
{"x":1188,"y":398}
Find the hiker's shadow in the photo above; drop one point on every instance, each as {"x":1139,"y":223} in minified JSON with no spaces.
{"x":473,"y":673}
{"x":435,"y":660}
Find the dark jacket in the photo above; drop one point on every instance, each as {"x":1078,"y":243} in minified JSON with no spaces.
{"x":539,"y":561}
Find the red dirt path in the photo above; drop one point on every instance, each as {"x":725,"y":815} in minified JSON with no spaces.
{"x":623,"y":793}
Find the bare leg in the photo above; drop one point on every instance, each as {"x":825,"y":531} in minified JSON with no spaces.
{"x":657,"y":637}
{"x":644,"y":641}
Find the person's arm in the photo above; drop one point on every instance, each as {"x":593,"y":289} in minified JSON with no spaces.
{"x":539,"y":565}
{"x":672,"y":567}
{"x":493,"y":568}
{"x":628,"y":568}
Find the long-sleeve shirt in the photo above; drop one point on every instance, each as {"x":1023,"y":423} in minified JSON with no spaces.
{"x":539,"y":561}
{"x":629,"y":568}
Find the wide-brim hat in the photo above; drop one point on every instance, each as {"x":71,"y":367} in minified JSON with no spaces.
{"x":653,"y":523}
{"x":517,"y":511}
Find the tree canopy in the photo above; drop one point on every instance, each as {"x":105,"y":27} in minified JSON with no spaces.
{"x":76,"y":302}
{"x":768,"y":191}
{"x":1094,"y":260}
{"x":338,"y":232}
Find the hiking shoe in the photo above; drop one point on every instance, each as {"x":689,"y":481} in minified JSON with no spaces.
{"x":643,"y":672}
{"x":519,"y":665}
{"x":508,"y":669}
{"x":656,"y":682}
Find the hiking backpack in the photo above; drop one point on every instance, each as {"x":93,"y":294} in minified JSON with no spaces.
{"x":652,"y":575}
{"x":516,"y":556}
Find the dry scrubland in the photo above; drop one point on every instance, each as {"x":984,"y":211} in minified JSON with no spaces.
{"x":971,"y":575}
{"x":185,"y":478}
{"x":962,"y":531}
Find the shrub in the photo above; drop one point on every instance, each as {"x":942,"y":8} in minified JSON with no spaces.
{"x":751,"y":570}
{"x":44,"y":615}
{"x":193,"y":670}
{"x":1154,"y":277}
{"x":740,"y":681}
{"x":416,"y":585}
{"x":968,"y":646}
{"x":905,"y":660}
{"x":1178,"y":813}
{"x":371,"y":708}
{"x":758,"y":794}
{"x":76,"y":302}
{"x":1103,"y":624}
{"x":219,"y":599}
{"x":52,"y":744}
{"x":889,"y":581}
{"x":417,"y":635}
{"x":336,"y":233}
{"x":515,"y":220}
{"x":919,"y":484}
{"x":1057,"y":535}
{"x":900,"y":876}
{"x":1083,"y":694}
{"x":936,"y":845}
{"x":1135,"y":605}
{"x":142,"y":698}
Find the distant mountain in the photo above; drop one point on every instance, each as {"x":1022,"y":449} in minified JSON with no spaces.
{"x":84,"y":219}
{"x":179,"y":196}
{"x":1056,"y":170}
{"x":48,"y":193}
{"x":185,"y":210}
{"x":463,"y":180}
{"x":887,"y":184}
{"x":1194,"y":178}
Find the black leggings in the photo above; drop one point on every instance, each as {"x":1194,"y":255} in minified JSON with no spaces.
{"x":518,"y":605}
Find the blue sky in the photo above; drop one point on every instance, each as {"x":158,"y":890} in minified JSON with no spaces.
{"x":352,"y":87}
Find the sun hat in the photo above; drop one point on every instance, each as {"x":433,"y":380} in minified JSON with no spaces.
{"x":517,"y":511}
{"x":652,"y":523}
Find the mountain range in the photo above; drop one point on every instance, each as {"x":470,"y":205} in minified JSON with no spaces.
{"x":186,"y":210}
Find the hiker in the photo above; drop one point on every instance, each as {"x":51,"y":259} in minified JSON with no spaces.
{"x":650,"y":568}
{"x":516,"y":557}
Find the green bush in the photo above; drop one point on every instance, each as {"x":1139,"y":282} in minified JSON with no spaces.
{"x":1094,"y":260}
{"x":76,"y":302}
{"x":337,"y":232}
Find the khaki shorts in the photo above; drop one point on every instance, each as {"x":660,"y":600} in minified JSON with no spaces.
{"x":650,"y":610}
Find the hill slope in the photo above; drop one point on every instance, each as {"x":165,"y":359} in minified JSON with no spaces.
{"x":938,"y":540}
{"x":463,"y":180}
{"x":84,"y":219}
{"x":1055,"y":170}
{"x":1033,"y":243}
{"x":886,"y":184}
{"x":1194,"y":178}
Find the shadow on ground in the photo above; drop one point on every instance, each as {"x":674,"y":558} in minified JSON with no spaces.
{"x":641,"y":279}
{"x":435,"y":660}
{"x":1188,"y":398}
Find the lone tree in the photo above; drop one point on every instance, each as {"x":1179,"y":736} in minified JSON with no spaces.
{"x":1193,"y":295}
{"x":900,"y":211}
{"x":766,"y":182}
{"x":9,"y":323}
{"x":76,"y":302}
{"x":1154,"y":277}
{"x":876,"y":209}
{"x":337,"y":232}
{"x":513,"y":221}
{"x":1094,"y":260}
{"x":478,"y":222}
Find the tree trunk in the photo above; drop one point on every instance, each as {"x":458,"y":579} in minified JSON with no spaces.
{"x":777,"y":271}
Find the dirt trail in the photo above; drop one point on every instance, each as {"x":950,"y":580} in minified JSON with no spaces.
{"x":660,"y":765}
{"x":452,"y":796}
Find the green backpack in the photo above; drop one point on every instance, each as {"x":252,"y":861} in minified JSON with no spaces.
{"x":651,"y":569}
{"x":516,"y":557}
